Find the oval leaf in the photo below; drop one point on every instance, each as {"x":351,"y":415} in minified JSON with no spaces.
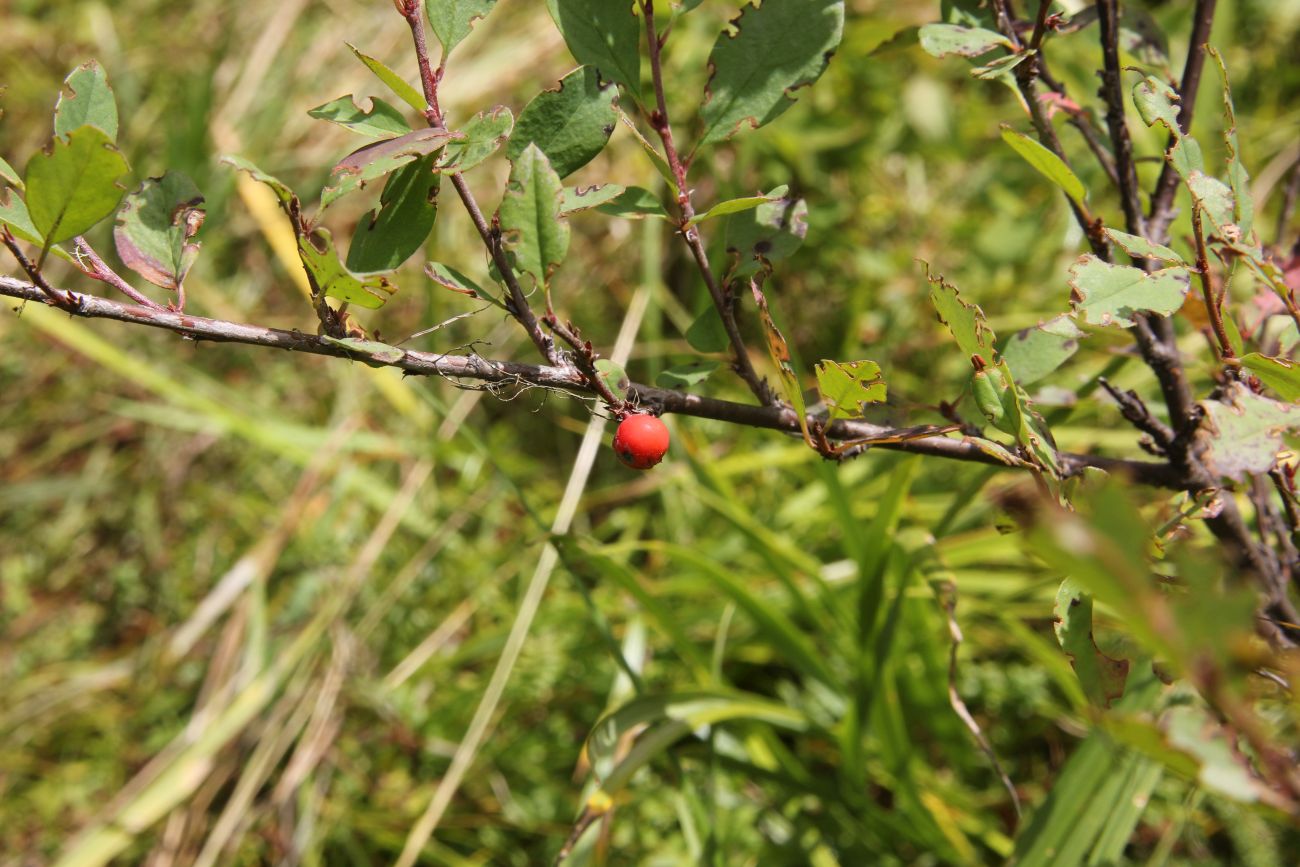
{"x":480,"y":138}
{"x":365,"y":164}
{"x":604,"y":34}
{"x":532,"y":228}
{"x":776,"y":48}
{"x":86,"y":98}
{"x":328,"y":276}
{"x":1109,"y":294}
{"x":452,"y":20}
{"x":381,"y":121}
{"x":570,"y":125}
{"x":846,"y":385}
{"x":770,"y":232}
{"x":386,"y":238}
{"x":395,"y":82}
{"x":940,"y":40}
{"x":72,"y":184}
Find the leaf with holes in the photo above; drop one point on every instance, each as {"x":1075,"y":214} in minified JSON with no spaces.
{"x":776,"y":49}
{"x":965,"y":321}
{"x":155,"y":227}
{"x":86,"y":98}
{"x":768,"y":233}
{"x":373,"y":161}
{"x":1157,"y":103}
{"x":1238,"y":177}
{"x":604,"y":34}
{"x":1213,"y":197}
{"x":1141,"y":248}
{"x":1048,"y":164}
{"x":941,"y":40}
{"x":585,"y":198}
{"x":570,"y":124}
{"x":1242,"y":432}
{"x":380,"y":121}
{"x":1109,"y":294}
{"x":533,"y":230}
{"x":452,"y":20}
{"x":1101,"y":677}
{"x":386,"y":238}
{"x":846,"y":385}
{"x":329,"y":277}
{"x":1035,"y":352}
{"x":479,"y":139}
{"x":72,"y":184}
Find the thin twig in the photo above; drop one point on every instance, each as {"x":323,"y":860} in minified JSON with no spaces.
{"x":584,"y":357}
{"x":1162,"y":213}
{"x":99,"y":270}
{"x":65,"y":300}
{"x":1138,"y":415}
{"x":567,"y":378}
{"x":1289,"y":196}
{"x":723,"y":301}
{"x":413,"y":12}
{"x":1213,"y":304}
{"x":1113,"y":95}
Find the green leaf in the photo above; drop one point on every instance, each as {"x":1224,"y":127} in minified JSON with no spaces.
{"x":452,"y":20}
{"x":395,"y":82}
{"x":965,"y":321}
{"x":155,"y":226}
{"x":1047,"y":163}
{"x":329,"y":277}
{"x":10,"y":176}
{"x":1141,"y":248}
{"x":604,"y":34}
{"x":846,"y":385}
{"x":634,"y":202}
{"x":1221,"y":766}
{"x":779,"y":351}
{"x":86,"y":98}
{"x":1109,"y":294}
{"x":449,"y":278}
{"x":386,"y":238}
{"x":381,"y":353}
{"x":1157,"y":103}
{"x":687,"y":375}
{"x":577,"y":199}
{"x":1243,"y":432}
{"x":1102,"y":678}
{"x":375,"y":160}
{"x":72,"y":184}
{"x":571,"y":124}
{"x":281,"y":190}
{"x":768,"y":233}
{"x":614,"y":376}
{"x":776,"y":49}
{"x":13,"y":213}
{"x":532,"y":228}
{"x":1185,"y":156}
{"x":736,"y":206}
{"x":1280,"y":374}
{"x":381,"y":121}
{"x":480,"y":138}
{"x":1001,"y":68}
{"x":707,"y":333}
{"x":1213,"y":197}
{"x":1008,"y":408}
{"x":1035,"y":352}
{"x":940,"y":40}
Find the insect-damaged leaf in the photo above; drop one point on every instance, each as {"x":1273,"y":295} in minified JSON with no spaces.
{"x":365,"y":164}
{"x":1157,"y":103}
{"x":329,"y":277}
{"x":86,"y":99}
{"x":155,"y":227}
{"x":452,"y":20}
{"x":965,"y":321}
{"x":768,"y":233}
{"x":940,"y":40}
{"x":1238,"y":177}
{"x":1035,"y":352}
{"x":779,"y":351}
{"x":380,"y":121}
{"x":570,"y":124}
{"x":847,"y":385}
{"x":1101,"y":677}
{"x":1140,"y":248}
{"x":532,"y":228}
{"x":577,"y":199}
{"x":72,"y":185}
{"x":776,"y":49}
{"x":1243,"y":432}
{"x":1109,"y":294}
{"x":736,"y":206}
{"x":604,"y":34}
{"x":480,"y":137}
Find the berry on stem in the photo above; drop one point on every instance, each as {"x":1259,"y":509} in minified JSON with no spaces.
{"x":641,"y":441}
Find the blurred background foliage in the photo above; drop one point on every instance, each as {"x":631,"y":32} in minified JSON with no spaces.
{"x":179,"y":522}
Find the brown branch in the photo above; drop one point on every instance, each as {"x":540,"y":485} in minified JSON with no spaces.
{"x":723,"y":302}
{"x":99,"y":270}
{"x":1213,"y":302}
{"x":66,"y":300}
{"x":1162,"y":212}
{"x":1113,"y":95}
{"x":567,"y":378}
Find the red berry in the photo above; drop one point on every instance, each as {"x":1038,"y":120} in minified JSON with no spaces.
{"x":641,"y":441}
